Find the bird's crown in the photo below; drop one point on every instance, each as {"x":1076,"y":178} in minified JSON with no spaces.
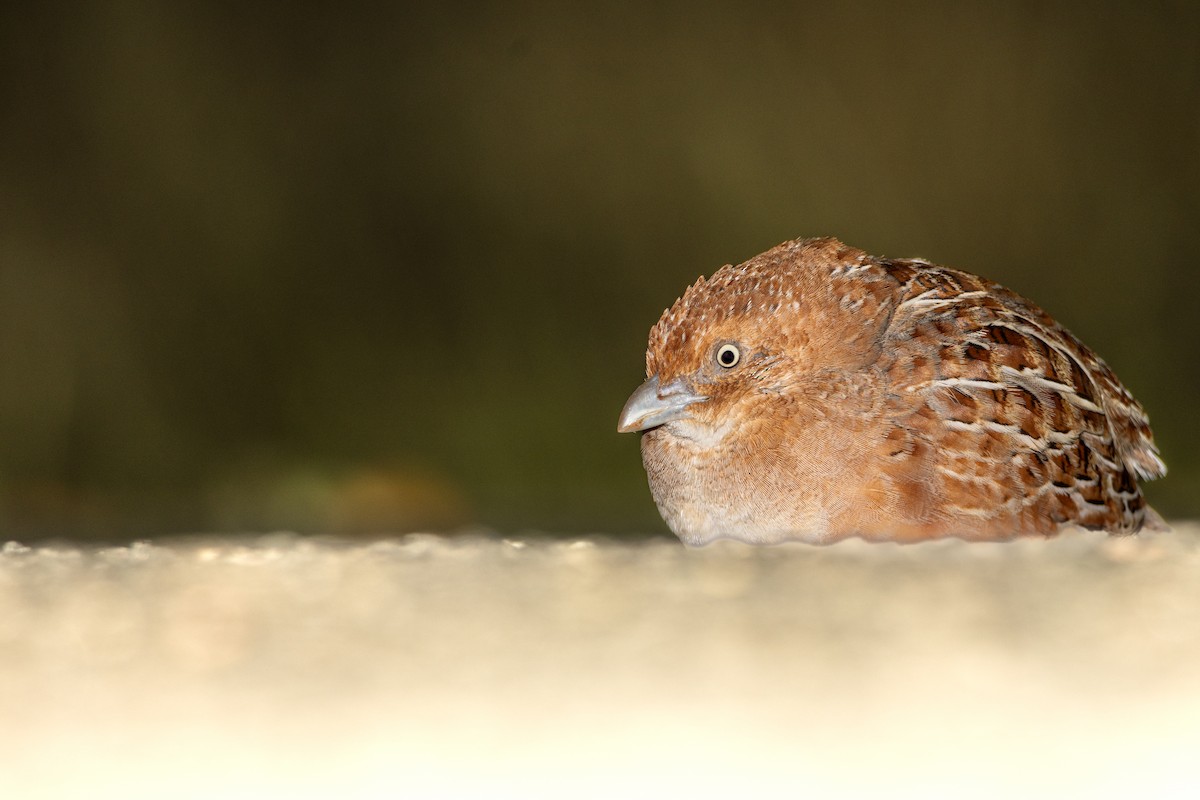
{"x":745,"y":301}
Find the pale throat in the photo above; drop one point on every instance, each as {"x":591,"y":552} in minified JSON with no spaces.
{"x":702,"y":435}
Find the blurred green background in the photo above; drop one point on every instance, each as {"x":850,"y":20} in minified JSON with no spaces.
{"x":372,"y":267}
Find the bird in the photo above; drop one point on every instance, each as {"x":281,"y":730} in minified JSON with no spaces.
{"x":815,"y":393}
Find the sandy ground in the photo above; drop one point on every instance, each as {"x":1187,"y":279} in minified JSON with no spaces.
{"x":474,"y":666}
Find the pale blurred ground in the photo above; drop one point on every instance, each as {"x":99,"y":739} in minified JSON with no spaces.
{"x":430,"y":666}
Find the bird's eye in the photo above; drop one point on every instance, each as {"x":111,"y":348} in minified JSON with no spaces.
{"x":728,"y":355}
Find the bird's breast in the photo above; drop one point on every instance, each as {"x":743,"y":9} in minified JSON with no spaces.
{"x":741,"y":484}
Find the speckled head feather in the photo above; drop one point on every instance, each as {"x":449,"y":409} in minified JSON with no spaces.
{"x":798,"y":280}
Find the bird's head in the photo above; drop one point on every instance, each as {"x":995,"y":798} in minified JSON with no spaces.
{"x":746,"y":335}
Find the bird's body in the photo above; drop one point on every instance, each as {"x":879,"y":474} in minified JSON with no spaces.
{"x":816,"y":392}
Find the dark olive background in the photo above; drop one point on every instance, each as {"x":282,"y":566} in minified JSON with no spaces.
{"x":369,"y":267}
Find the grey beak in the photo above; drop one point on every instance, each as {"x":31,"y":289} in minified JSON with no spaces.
{"x":651,"y":405}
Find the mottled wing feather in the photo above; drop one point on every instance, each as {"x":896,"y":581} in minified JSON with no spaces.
{"x":1022,"y":416}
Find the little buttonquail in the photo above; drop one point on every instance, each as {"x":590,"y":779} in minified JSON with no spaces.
{"x":816,"y":392}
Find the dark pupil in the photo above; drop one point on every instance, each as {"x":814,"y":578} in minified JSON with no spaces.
{"x":727,"y":357}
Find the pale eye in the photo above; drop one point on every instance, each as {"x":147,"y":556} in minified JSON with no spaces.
{"x":728,"y":355}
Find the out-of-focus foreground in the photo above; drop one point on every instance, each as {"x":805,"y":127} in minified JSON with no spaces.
{"x":431,"y":666}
